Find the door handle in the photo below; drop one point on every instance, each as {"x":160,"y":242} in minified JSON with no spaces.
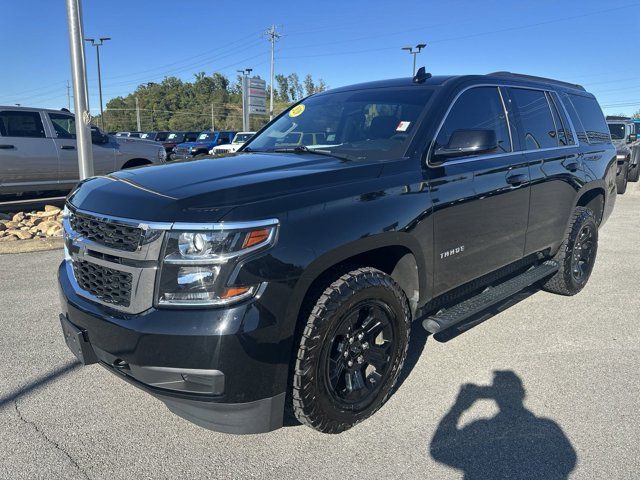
{"x":516,"y":179}
{"x":67,"y":147}
{"x":571,"y":166}
{"x":7,"y":147}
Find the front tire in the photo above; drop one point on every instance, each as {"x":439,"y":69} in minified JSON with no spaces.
{"x":351,"y":351}
{"x":577,"y":254}
{"x":622,"y":179}
{"x":634,"y":173}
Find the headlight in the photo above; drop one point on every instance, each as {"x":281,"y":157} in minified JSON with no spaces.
{"x":197,"y":264}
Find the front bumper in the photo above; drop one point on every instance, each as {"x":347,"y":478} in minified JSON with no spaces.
{"x":217,"y":368}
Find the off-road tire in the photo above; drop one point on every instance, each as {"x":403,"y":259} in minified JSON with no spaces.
{"x":634,"y":173}
{"x":311,"y":400}
{"x":622,"y":179}
{"x":563,"y":281}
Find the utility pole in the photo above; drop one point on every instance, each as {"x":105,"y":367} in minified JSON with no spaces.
{"x":213,"y":122}
{"x":273,"y":37}
{"x":138,"y":115}
{"x":68,"y":96}
{"x":80,"y":96}
{"x":98,"y":44}
{"x":418,"y":49}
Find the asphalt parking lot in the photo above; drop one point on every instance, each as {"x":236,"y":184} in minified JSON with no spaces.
{"x":576,"y":358}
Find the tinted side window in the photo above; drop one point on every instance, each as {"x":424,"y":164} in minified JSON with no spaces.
{"x":575,"y":119}
{"x":64,"y":125}
{"x":592,"y":118}
{"x":21,"y":124}
{"x":565,"y":135}
{"x":536,"y":121}
{"x":477,"y":108}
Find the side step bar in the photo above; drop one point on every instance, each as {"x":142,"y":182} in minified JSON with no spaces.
{"x":489,"y":297}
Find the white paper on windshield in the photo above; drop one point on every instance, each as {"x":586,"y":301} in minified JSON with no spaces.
{"x":402,"y":126}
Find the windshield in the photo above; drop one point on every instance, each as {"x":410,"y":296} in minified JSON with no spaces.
{"x":360,"y":124}
{"x":175,"y":136}
{"x":242,"y":137}
{"x":205,"y":136}
{"x":617,"y":131}
{"x":147,"y":135}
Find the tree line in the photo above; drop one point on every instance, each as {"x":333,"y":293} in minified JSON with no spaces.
{"x":174,"y":104}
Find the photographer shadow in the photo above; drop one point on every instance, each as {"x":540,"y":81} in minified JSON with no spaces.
{"x":514,"y":444}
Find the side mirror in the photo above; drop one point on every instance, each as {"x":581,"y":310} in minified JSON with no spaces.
{"x":632,"y":138}
{"x":467,"y":142}
{"x":98,"y":137}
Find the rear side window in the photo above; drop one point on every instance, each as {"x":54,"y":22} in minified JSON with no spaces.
{"x":592,"y":118}
{"x":21,"y":124}
{"x":478,"y":108}
{"x":565,"y":135}
{"x":536,"y":120}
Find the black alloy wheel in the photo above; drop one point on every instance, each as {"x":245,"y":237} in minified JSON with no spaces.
{"x":357,"y":359}
{"x":583,"y":250}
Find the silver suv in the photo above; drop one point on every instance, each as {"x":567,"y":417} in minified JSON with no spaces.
{"x":38,"y":151}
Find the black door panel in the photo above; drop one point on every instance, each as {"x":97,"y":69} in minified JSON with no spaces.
{"x":480,"y":220}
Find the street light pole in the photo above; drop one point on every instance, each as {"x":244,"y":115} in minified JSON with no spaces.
{"x":418,"y":49}
{"x":80,"y":97}
{"x":98,"y":44}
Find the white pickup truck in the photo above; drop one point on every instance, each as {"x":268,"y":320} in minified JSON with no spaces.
{"x":239,"y":140}
{"x":38,"y":151}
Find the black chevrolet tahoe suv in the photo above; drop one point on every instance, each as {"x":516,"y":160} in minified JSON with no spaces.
{"x":286,"y":278}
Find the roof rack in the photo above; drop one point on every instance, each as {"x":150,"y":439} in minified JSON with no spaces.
{"x":533,"y":78}
{"x":616,"y":117}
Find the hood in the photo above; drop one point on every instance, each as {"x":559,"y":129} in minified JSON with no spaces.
{"x":129,"y":140}
{"x":207,"y":189}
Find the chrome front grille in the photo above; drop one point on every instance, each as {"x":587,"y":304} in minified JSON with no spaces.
{"x":107,"y":233}
{"x":113,"y":261}
{"x":106,"y":284}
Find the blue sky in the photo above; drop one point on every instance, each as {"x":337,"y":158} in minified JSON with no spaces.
{"x":592,"y":42}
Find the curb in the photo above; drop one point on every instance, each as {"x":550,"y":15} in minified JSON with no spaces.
{"x":32,"y":245}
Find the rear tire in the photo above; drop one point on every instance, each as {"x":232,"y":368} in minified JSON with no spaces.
{"x":577,"y":254}
{"x":622,"y":179}
{"x":351,"y":351}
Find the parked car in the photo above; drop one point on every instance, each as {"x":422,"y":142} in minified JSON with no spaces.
{"x":129,"y":134}
{"x":232,"y":286}
{"x":240,"y":139}
{"x":155,"y":136}
{"x":623,"y":136}
{"x":175,"y":138}
{"x":38,"y":151}
{"x":205,"y":142}
{"x":634,"y":170}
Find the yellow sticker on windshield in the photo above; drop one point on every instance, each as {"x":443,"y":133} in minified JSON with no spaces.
{"x":297,"y":110}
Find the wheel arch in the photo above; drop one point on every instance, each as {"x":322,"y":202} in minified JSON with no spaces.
{"x":398,"y":255}
{"x":594,"y":199}
{"x":135,"y":162}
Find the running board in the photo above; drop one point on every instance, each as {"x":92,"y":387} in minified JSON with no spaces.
{"x":489,"y":297}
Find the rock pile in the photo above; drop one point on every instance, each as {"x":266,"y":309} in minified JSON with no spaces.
{"x":24,"y":226}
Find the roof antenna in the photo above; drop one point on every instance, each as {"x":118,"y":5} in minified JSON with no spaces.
{"x":421,"y":76}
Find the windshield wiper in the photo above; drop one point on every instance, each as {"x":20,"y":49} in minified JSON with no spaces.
{"x":305,"y":149}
